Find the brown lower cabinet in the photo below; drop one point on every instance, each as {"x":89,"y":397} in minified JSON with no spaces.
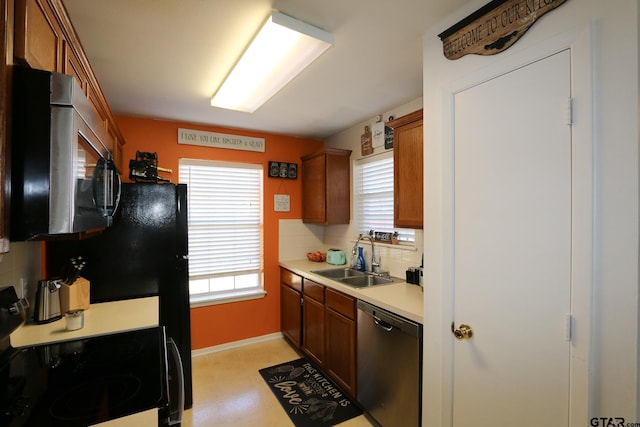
{"x":340,"y":353}
{"x":321,"y":323}
{"x":291,"y":307}
{"x":313,"y":325}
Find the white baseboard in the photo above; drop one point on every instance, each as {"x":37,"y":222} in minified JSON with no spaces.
{"x":235,"y":344}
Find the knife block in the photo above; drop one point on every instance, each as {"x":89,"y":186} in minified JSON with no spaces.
{"x":75,"y":296}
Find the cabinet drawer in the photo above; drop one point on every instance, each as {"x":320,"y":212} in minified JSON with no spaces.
{"x":313,"y":290}
{"x":341,"y":303}
{"x":290,"y":279}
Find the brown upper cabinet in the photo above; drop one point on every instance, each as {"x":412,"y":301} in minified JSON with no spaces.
{"x":326,"y":187}
{"x":38,"y":35}
{"x":45,"y":39}
{"x":408,"y":170}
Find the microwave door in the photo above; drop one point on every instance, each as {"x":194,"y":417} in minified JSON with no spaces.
{"x":106,"y":187}
{"x":88,"y":210}
{"x":60,"y":178}
{"x":73,"y":159}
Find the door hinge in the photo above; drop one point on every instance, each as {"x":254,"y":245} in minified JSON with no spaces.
{"x":569,"y":112}
{"x":568,"y":323}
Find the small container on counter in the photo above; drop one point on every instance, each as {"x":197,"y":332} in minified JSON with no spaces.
{"x":74,"y":320}
{"x":413,"y":275}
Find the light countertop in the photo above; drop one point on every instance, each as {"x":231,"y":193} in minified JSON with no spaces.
{"x":399,"y":297}
{"x":100,"y":319}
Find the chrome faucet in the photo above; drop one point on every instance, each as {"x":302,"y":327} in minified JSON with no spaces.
{"x":375,"y":263}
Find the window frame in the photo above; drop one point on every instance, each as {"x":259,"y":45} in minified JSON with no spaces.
{"x":236,"y":293}
{"x":407,"y":236}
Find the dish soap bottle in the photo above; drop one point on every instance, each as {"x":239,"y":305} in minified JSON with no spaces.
{"x":360,"y":264}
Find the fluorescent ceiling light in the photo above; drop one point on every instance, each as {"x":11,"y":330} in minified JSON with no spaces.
{"x":280,"y":51}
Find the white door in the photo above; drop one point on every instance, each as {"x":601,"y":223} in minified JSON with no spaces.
{"x":512,"y":248}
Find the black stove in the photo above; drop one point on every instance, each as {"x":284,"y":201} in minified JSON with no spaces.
{"x":85,"y":381}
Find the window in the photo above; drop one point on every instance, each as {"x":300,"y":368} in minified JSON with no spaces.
{"x":224,"y":207}
{"x":373,"y":197}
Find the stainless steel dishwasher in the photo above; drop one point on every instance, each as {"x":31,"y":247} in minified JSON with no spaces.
{"x":389,"y":367}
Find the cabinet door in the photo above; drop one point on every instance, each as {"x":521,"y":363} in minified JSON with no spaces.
{"x":340,"y":360}
{"x":313,"y":330}
{"x":97,"y":101}
{"x":117,"y":146}
{"x":73,"y":66}
{"x":408,"y":172}
{"x":338,"y":188}
{"x":313,"y":189}
{"x":291,"y":314}
{"x":39,"y":38}
{"x":326,"y":187}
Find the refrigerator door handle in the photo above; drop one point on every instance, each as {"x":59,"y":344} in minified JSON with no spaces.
{"x":176,"y":405}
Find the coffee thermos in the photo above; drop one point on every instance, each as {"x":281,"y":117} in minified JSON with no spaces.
{"x":47,"y":307}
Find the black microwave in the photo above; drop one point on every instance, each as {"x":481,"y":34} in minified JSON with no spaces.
{"x":63,"y":178}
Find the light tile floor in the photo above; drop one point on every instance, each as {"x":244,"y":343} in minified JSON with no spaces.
{"x":229,"y":391}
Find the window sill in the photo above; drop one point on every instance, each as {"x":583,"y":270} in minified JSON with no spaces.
{"x":398,"y":246}
{"x":223,"y":298}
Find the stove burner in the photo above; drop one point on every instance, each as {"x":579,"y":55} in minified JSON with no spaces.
{"x":100,"y":396}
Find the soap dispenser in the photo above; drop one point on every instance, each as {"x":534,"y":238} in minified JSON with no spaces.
{"x":360,"y":264}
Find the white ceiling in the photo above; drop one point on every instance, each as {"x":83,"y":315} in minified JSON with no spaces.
{"x":165,"y":58}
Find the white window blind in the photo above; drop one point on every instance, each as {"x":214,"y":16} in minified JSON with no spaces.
{"x":373,"y":201}
{"x":225,"y":227}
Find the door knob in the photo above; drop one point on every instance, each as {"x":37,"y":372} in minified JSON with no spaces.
{"x":464,"y":332}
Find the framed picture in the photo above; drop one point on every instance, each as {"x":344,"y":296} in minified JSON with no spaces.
{"x":283,"y":170}
{"x":292,"y":171}
{"x":274,"y":169}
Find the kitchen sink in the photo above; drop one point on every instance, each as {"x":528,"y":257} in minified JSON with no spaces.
{"x":366,"y":281}
{"x":339,"y":273}
{"x":354,"y":278}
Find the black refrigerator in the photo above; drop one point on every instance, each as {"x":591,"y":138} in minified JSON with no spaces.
{"x":144,"y":253}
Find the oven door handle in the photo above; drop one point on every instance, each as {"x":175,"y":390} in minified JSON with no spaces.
{"x":176,"y":408}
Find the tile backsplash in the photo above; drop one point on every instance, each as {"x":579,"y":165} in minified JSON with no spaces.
{"x":298,"y":238}
{"x":21,"y":262}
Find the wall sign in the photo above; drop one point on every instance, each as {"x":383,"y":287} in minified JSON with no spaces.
{"x":220,"y":140}
{"x":494,"y":27}
{"x":281,"y":203}
{"x":377,"y":134}
{"x":365,"y":142}
{"x":388,"y":135}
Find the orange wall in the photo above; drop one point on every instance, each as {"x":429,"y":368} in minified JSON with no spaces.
{"x":223,"y":323}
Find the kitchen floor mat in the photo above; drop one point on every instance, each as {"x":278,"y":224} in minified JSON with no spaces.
{"x":308,"y":395}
